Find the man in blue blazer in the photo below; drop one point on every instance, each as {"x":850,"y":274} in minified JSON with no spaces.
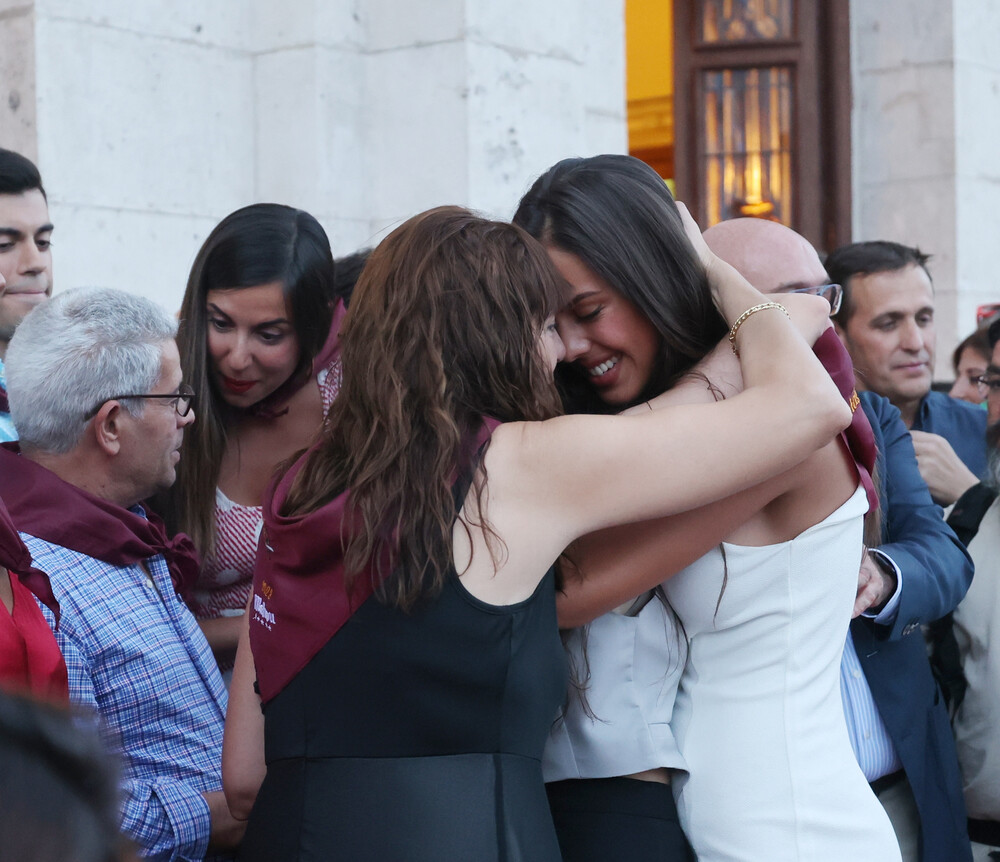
{"x":896,"y":717}
{"x":886,"y":322}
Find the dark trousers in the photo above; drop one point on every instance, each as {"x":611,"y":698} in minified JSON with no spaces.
{"x":611,"y":819}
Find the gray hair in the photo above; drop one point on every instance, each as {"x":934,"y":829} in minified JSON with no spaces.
{"x":76,"y":351}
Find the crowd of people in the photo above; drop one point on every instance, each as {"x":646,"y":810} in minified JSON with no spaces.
{"x":582,"y":537}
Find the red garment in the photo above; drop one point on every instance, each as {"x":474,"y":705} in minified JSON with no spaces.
{"x":30,"y":660}
{"x":14,"y":555}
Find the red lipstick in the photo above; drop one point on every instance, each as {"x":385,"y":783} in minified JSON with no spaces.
{"x":237,"y":387}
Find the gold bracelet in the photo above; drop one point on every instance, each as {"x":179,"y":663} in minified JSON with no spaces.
{"x":746,"y":315}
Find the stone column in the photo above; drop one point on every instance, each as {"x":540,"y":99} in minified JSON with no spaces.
{"x":469,"y":100}
{"x":18,"y":129}
{"x":150,"y":121}
{"x":977,"y":151}
{"x":926,"y":83}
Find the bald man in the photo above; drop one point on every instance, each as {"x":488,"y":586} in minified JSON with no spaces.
{"x":896,"y":719}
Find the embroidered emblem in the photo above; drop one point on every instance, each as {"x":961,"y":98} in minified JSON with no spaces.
{"x":261,"y":613}
{"x":854,"y":401}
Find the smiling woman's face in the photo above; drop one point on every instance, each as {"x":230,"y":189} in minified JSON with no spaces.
{"x":605,"y":335}
{"x":252,"y":343}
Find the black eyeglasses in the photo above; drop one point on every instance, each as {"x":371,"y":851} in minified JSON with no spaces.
{"x":832,"y":293}
{"x":988,"y":384}
{"x":180,"y":400}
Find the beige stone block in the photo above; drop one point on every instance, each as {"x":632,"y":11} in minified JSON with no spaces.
{"x":525,"y":113}
{"x":896,"y":34}
{"x":977,"y":202}
{"x":416,"y":129}
{"x":977,"y":126}
{"x":310,"y":136}
{"x":905,"y":124}
{"x":605,"y":133}
{"x":145,"y":253}
{"x":420,"y":23}
{"x":347,"y":235}
{"x":298,"y":23}
{"x":220,"y":23}
{"x":950,"y":328}
{"x":913,"y":213}
{"x":149,"y":124}
{"x":556,"y":29}
{"x":977,"y":23}
{"x":18,"y":117}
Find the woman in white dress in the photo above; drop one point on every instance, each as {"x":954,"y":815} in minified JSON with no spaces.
{"x":757,"y":750}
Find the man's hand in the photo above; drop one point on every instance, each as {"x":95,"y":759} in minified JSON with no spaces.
{"x":946,"y":475}
{"x":875,"y":586}
{"x":227,"y":831}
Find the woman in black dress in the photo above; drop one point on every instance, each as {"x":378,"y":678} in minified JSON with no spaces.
{"x":402,"y":623}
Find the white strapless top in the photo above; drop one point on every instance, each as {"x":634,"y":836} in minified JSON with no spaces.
{"x":759,"y":717}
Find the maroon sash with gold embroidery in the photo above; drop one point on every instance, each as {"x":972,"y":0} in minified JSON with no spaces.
{"x":299,"y":599}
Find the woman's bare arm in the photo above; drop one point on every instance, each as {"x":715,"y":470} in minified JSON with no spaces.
{"x":606,"y":569}
{"x":551,"y":482}
{"x":585,"y":473}
{"x":243,"y":767}
{"x":603,"y":570}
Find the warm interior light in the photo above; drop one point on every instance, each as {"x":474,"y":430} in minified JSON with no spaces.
{"x":747,"y":159}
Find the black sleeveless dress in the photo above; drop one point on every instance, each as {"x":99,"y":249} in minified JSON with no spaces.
{"x":417,"y":737}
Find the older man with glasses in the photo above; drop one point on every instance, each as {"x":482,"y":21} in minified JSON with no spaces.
{"x":895,"y":715}
{"x":95,"y":390}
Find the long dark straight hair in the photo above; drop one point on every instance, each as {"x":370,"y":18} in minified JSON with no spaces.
{"x":443,"y":331}
{"x":255,"y":245}
{"x":617,"y":215}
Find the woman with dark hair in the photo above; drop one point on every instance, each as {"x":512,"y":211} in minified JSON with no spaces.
{"x":258,"y":344}
{"x":403,"y":629}
{"x":756,"y":747}
{"x":969,"y":362}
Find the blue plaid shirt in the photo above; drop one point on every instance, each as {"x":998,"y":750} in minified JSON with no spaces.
{"x":137,"y":657}
{"x":7,"y":430}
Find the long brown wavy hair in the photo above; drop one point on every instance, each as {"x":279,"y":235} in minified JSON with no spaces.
{"x":443,"y":330}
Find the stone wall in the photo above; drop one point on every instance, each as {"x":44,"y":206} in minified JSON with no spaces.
{"x":17,"y":77}
{"x":926,"y":118}
{"x":150,"y":121}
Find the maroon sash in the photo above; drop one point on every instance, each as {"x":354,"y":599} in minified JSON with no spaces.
{"x":858,"y":435}
{"x":45,"y":506}
{"x":15,"y":557}
{"x":299,"y":598}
